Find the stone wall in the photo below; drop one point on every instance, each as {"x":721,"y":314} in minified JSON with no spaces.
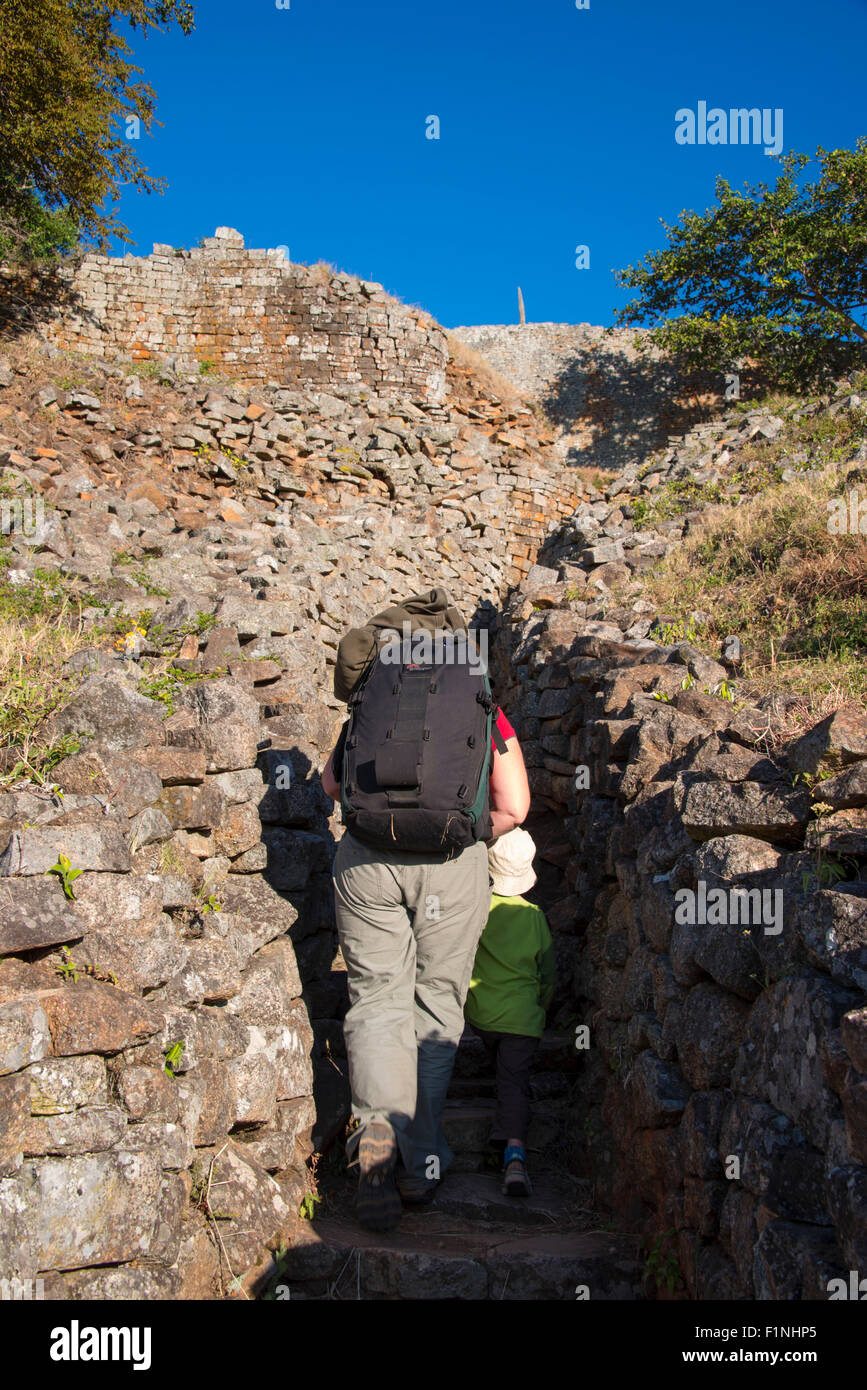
{"x":155,"y":1048}
{"x":721,"y":1110}
{"x":170,"y":1038}
{"x":254,"y":316}
{"x":612,"y":400}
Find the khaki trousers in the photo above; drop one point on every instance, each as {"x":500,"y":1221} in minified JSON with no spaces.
{"x":409,"y":925}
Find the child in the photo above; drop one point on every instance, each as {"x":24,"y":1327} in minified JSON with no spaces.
{"x":511,"y":987}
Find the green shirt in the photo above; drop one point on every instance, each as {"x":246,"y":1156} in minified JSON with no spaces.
{"x":513,"y":975}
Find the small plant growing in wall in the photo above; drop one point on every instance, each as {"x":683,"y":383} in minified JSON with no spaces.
{"x":662,"y":1264}
{"x":70,"y":969}
{"x":726,"y":692}
{"x":65,"y":873}
{"x":234,"y":459}
{"x":67,"y":967}
{"x":210,"y":904}
{"x":173,"y":1056}
{"x":309,"y":1203}
{"x":822,"y":871}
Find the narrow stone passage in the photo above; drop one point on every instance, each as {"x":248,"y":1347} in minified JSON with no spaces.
{"x":472,"y":1242}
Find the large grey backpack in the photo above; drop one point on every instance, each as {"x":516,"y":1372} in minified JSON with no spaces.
{"x":417,"y":754}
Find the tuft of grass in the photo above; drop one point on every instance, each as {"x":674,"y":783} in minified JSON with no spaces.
{"x":592,"y":477}
{"x":166,"y":685}
{"x":40,"y":629}
{"x":463,"y":358}
{"x":144,"y":367}
{"x":322,"y":271}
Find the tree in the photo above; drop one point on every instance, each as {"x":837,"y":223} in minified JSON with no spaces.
{"x":775,"y":274}
{"x":67,"y":94}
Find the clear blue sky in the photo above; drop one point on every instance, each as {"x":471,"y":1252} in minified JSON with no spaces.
{"x":306,"y":127}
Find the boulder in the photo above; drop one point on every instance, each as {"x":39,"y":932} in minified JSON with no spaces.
{"x":831,"y":745}
{"x":708,"y":1035}
{"x":117,"y":1216}
{"x":781,"y":1057}
{"x":100,"y":848}
{"x":109,"y":711}
{"x":765,"y":812}
{"x":35,"y":913}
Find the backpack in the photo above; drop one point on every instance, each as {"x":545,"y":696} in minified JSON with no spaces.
{"x":417,"y":754}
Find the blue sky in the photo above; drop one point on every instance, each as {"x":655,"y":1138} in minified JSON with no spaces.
{"x":306,"y":127}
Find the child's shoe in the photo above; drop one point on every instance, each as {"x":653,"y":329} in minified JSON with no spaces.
{"x":516,"y":1182}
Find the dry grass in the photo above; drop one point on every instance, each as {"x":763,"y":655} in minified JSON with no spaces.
{"x":34,"y":644}
{"x":25,"y":352}
{"x":489,"y":381}
{"x":322,"y":272}
{"x":772,"y":574}
{"x":809,"y":710}
{"x":592,"y":477}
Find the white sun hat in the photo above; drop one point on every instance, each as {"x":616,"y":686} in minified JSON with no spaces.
{"x":510,"y":863}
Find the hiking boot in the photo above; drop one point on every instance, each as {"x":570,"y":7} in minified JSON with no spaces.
{"x":516,"y":1182}
{"x":416,"y":1192}
{"x":377,"y":1205}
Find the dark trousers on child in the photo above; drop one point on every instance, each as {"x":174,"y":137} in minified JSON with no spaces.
{"x":511,"y":1055}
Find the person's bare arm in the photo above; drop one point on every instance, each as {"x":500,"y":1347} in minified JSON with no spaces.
{"x":510,"y":790}
{"x":329,"y":786}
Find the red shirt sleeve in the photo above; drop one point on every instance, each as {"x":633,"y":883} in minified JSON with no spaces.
{"x":505,"y":728}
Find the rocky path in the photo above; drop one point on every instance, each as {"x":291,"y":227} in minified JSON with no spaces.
{"x":472,"y":1242}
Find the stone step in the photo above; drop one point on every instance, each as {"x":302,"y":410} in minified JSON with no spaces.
{"x":543,"y":1086}
{"x":433,"y":1255}
{"x":554,"y":1202}
{"x":467,"y":1124}
{"x":472,"y":1088}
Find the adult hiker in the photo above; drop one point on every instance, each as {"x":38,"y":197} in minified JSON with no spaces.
{"x":428,"y":770}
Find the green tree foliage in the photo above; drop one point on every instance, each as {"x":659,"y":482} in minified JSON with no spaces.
{"x":68,"y":93}
{"x":774,"y":274}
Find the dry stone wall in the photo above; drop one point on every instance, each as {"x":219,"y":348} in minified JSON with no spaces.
{"x":613,"y":396}
{"x":721,"y":981}
{"x":170,"y":1037}
{"x":253,"y":315}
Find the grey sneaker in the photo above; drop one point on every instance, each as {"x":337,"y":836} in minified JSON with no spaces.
{"x":516,"y":1181}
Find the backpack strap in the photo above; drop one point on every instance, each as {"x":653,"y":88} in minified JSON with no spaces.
{"x":397,"y":760}
{"x":499,"y":741}
{"x":339,"y":748}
